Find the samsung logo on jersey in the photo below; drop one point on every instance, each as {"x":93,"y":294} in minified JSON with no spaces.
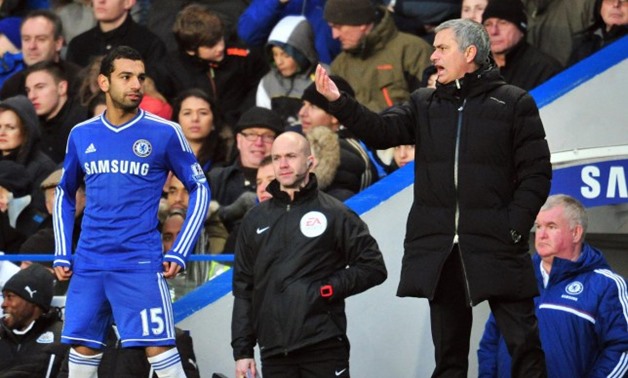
{"x":116,"y":166}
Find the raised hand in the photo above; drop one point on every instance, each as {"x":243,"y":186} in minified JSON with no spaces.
{"x":325,"y":85}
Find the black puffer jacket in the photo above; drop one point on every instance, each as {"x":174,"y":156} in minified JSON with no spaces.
{"x":286,"y":251}
{"x":231,"y":83}
{"x":528,"y":67}
{"x":482,"y":169}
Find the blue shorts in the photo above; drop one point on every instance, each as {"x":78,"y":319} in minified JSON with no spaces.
{"x":138,"y":302}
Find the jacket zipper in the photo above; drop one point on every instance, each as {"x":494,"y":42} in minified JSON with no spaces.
{"x":457,"y":214}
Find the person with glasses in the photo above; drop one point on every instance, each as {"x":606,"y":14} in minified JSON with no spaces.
{"x":233,"y":186}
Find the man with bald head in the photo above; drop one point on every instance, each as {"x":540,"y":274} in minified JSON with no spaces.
{"x":298,"y":256}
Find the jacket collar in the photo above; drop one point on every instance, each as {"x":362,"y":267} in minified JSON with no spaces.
{"x":306,"y":192}
{"x":589,"y":260}
{"x":118,"y":32}
{"x":478,"y":81}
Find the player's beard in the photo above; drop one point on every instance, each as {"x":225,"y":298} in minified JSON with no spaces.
{"x":126,"y":104}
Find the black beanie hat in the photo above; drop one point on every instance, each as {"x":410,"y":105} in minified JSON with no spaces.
{"x":350,"y":12}
{"x":34,"y":284}
{"x":260,"y":117}
{"x":509,"y":10}
{"x":14,"y":178}
{"x":311,"y":95}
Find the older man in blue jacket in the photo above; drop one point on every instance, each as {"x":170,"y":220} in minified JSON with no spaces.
{"x":583,"y":306}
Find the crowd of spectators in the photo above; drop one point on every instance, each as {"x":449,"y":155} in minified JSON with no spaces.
{"x":212,"y":62}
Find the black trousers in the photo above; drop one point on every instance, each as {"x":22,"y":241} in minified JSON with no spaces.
{"x":328,"y":359}
{"x":451,"y":319}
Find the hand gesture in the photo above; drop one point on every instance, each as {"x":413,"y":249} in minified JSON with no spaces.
{"x":326,"y":86}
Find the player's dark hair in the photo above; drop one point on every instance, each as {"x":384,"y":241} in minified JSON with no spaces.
{"x":120,"y":52}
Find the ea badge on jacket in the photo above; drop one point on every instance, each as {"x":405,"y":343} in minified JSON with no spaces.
{"x":46,"y":338}
{"x":313,"y":224}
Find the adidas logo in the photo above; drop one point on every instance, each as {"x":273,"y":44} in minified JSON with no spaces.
{"x":90,"y":149}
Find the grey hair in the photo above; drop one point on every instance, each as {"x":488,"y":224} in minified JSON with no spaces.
{"x":572,"y":208}
{"x":469,"y":33}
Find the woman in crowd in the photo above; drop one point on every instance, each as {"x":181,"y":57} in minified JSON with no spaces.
{"x":19,"y":136}
{"x":202,"y":127}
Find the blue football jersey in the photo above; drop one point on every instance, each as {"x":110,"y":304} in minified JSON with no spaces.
{"x":124,"y":169}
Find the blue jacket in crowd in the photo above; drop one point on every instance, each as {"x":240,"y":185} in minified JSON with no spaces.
{"x":583,"y":321}
{"x":258,"y":20}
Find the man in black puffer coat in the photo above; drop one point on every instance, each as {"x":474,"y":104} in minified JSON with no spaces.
{"x":482,"y":171}
{"x":30,"y":330}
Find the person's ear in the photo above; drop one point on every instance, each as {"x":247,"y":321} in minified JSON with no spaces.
{"x":578,"y":233}
{"x":311,"y":163}
{"x":63,"y":87}
{"x":470,"y":53}
{"x":103,"y":83}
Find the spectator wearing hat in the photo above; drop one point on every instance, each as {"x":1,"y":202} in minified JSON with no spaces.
{"x":382,"y":64}
{"x":293,"y":59}
{"x":519,"y":63}
{"x":41,"y":35}
{"x":18,"y":217}
{"x":30,"y":331}
{"x":11,"y":60}
{"x":19,"y":142}
{"x":344,"y":166}
{"x":235,"y":184}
